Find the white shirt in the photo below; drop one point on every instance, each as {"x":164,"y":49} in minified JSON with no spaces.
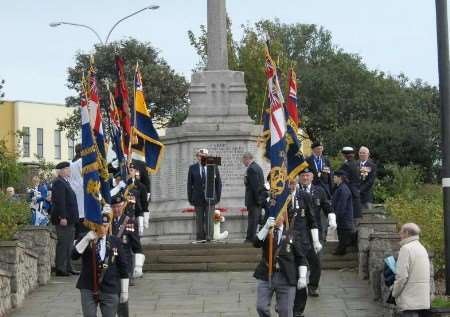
{"x":103,"y":248}
{"x":76,"y":182}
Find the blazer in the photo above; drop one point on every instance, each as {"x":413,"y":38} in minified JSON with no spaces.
{"x":368,"y":182}
{"x":325,"y":180}
{"x":130,"y":238}
{"x":302,"y":218}
{"x":196,"y":186}
{"x":289,"y":257}
{"x":343,"y":206}
{"x":117,"y":267}
{"x":254,"y":185}
{"x":64,"y":202}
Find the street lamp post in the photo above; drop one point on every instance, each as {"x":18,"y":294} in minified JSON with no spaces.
{"x":55,"y":24}
{"x":444,"y":91}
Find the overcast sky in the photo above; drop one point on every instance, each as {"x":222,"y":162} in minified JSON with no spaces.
{"x":395,"y":36}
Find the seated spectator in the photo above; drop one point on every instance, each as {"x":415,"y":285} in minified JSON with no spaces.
{"x":411,"y":288}
{"x":11,"y":193}
{"x":38,"y":202}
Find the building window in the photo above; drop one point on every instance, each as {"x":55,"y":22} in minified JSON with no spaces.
{"x":71,"y":148}
{"x":26,"y":142}
{"x":40,"y":142}
{"x":57,"y":137}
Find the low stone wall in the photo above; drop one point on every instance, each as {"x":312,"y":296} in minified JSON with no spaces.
{"x":22,"y":264}
{"x":41,"y":240}
{"x":5,"y":292}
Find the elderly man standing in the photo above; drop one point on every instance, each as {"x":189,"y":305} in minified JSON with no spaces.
{"x":196,"y":190}
{"x":64,"y":217}
{"x":254,"y":194}
{"x":368,"y":171}
{"x":411,"y":288}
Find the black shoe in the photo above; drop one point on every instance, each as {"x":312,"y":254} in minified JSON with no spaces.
{"x":74,"y":272}
{"x":61,"y":273}
{"x":299,"y":315}
{"x":313,"y":291}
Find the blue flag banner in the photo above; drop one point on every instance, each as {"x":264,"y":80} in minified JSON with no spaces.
{"x":279,"y":189}
{"x":145,"y":137}
{"x":91,"y":177}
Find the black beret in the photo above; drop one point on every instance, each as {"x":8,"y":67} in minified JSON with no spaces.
{"x":62,"y":165}
{"x":132,"y":165}
{"x":340,"y":173}
{"x":117,"y":199}
{"x":316,"y":144}
{"x":306,"y":170}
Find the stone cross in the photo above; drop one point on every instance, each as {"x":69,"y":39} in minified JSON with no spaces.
{"x":217,"y":35}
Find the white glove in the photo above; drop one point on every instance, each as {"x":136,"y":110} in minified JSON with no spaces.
{"x":139,"y":259}
{"x":332,"y":221}
{"x":262,"y":234}
{"x":118,"y":188}
{"x":316,"y":243}
{"x":146,"y":219}
{"x":84,"y":242}
{"x":124,"y":282}
{"x":302,"y":283}
{"x":141,"y":225}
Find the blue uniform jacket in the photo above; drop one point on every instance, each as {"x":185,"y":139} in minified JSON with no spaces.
{"x":343,"y":206}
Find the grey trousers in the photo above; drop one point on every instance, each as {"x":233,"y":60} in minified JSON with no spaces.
{"x":204,"y":222}
{"x":285,"y":295}
{"x":66,"y":235}
{"x":108,"y":304}
{"x":254,"y":213}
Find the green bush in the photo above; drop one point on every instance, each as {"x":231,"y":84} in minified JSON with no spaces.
{"x":397,"y":180}
{"x":423,"y":206}
{"x":14,"y":213}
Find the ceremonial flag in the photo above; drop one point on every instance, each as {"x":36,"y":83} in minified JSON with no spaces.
{"x":296,"y":161}
{"x":91,"y":177}
{"x":145,"y":137}
{"x":116,"y":134}
{"x":95,"y":114}
{"x":279,"y":189}
{"x":122,"y":103}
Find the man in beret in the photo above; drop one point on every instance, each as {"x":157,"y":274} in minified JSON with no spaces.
{"x":124,"y":228}
{"x":111,"y":273}
{"x":320,"y":166}
{"x":64,"y":216}
{"x":140,"y":192}
{"x":343,"y":208}
{"x":321,"y":205}
{"x":351,"y":168}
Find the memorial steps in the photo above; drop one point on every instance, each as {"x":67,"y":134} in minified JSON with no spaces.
{"x":224,"y":256}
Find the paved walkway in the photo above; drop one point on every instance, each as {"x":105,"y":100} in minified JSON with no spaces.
{"x":204,"y":295}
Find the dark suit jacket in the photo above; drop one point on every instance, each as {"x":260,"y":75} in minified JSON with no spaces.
{"x":117,"y":267}
{"x":343,"y":206}
{"x":368,"y":182}
{"x":320,"y":203}
{"x":325,"y":180}
{"x":254,"y":185}
{"x":130,"y":238}
{"x":289,"y":257}
{"x":196,"y":186}
{"x":302,"y":218}
{"x":64,"y":202}
{"x":140,"y":192}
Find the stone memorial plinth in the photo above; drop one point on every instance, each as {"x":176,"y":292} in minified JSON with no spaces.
{"x":218,"y":121}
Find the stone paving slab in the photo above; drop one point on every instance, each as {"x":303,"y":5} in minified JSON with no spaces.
{"x":228,"y":294}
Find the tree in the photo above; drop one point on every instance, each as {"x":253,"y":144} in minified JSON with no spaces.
{"x":11,"y":171}
{"x":2,"y":94}
{"x":165,"y":91}
{"x":341,"y":101}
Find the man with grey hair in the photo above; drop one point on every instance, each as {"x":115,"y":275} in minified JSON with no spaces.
{"x":254,"y":193}
{"x":368,"y":172}
{"x":411,"y":288}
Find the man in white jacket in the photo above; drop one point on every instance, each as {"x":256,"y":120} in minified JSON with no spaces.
{"x":411,"y":288}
